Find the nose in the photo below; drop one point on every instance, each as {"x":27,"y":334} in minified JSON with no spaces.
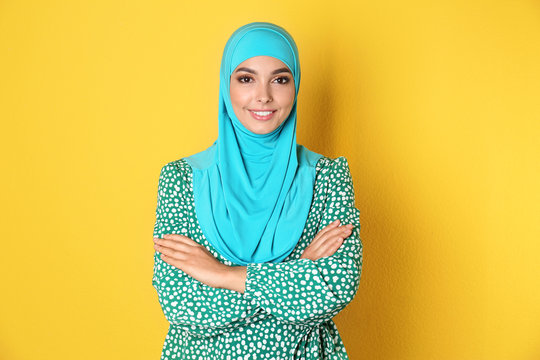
{"x":263,"y":94}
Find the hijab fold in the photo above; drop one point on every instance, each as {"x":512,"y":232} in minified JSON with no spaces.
{"x":253,"y":192}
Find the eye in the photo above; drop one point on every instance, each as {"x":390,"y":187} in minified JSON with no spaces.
{"x":283,"y":80}
{"x":244,"y":78}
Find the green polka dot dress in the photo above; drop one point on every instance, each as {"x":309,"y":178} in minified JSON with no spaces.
{"x":287,"y":308}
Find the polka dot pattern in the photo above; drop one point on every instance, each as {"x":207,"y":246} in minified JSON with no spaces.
{"x":287,"y":308}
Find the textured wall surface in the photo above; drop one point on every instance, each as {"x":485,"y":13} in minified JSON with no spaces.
{"x":435,"y":104}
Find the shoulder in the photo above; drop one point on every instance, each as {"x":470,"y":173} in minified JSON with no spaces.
{"x":175,"y":173}
{"x":322,"y":164}
{"x":175,"y":167}
{"x":330,"y":168}
{"x":334,"y":183}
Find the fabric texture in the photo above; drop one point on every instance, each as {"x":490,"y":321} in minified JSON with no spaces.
{"x":287,"y":308}
{"x":252,"y":191}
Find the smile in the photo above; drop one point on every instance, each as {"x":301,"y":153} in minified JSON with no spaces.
{"x":262,"y":115}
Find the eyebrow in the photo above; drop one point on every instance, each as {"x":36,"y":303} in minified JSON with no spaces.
{"x":277,"y":71}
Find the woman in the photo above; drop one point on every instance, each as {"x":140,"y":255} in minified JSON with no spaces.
{"x":253,"y":259}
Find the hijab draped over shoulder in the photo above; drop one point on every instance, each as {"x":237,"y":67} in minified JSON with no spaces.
{"x":253,"y":192}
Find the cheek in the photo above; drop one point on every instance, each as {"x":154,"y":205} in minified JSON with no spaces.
{"x":234,"y":96}
{"x":287,"y":98}
{"x":238,"y":96}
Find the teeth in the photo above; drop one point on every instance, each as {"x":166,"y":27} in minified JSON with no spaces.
{"x":263,"y":113}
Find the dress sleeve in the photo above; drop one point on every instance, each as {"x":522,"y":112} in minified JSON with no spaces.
{"x":187,"y":303}
{"x":307,"y":292}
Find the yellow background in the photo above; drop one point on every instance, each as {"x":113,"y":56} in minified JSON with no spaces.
{"x":436,"y":105}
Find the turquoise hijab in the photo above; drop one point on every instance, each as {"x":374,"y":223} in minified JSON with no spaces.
{"x":253,"y":191}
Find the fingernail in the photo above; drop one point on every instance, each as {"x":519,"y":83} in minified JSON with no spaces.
{"x":336,"y":222}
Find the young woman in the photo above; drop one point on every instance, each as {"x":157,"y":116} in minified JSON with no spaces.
{"x":257,"y":238}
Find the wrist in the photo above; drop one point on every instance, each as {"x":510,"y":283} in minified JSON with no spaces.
{"x":234,"y":278}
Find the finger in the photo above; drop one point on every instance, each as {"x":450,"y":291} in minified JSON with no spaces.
{"x":171,"y":261}
{"x":180,"y":238}
{"x":329,"y":248}
{"x":175,"y":237}
{"x":320,"y":238}
{"x":328,"y":228}
{"x":167,"y":244}
{"x":179,"y":254}
{"x":341,"y":232}
{"x":320,"y":235}
{"x":173,"y":244}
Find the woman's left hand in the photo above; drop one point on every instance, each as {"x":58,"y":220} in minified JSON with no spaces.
{"x":192,"y":258}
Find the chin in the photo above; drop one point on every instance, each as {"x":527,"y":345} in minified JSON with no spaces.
{"x":262,"y":131}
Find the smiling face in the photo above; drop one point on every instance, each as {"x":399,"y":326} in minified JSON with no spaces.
{"x":262,"y":93}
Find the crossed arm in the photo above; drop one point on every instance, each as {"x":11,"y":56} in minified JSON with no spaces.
{"x":196,"y":261}
{"x":206,"y":297}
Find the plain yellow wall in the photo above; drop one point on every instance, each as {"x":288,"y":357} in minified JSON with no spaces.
{"x":436,"y":105}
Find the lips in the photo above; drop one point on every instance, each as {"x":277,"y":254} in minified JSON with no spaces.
{"x":262,"y":117}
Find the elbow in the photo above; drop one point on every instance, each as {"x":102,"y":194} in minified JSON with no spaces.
{"x":343,"y":284}
{"x":353,"y":281}
{"x":344,"y":281}
{"x":351,"y":267}
{"x":347,"y":289}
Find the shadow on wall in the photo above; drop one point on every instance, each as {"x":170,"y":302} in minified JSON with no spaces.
{"x":376,"y":323}
{"x":316,"y":112}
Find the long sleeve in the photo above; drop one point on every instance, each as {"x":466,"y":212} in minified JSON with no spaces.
{"x":307,"y":292}
{"x":186,"y":302}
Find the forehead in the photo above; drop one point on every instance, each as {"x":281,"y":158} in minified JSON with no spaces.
{"x":262,"y":63}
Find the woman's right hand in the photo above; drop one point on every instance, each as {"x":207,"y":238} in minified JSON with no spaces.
{"x":327,"y":241}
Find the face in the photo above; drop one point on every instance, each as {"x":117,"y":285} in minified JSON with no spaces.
{"x":262,"y":93}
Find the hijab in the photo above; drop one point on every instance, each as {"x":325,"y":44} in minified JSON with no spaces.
{"x":253,"y":192}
